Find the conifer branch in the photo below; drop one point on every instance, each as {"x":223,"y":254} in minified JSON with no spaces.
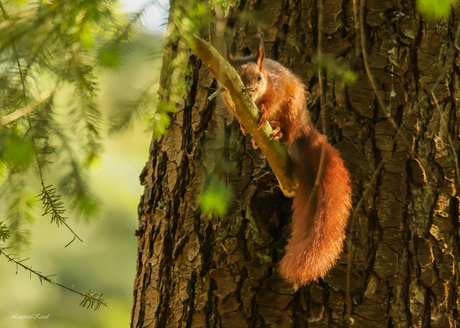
{"x":90,"y":299}
{"x":51,"y":201}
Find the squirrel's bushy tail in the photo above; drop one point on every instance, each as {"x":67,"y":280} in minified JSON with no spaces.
{"x":319,"y":213}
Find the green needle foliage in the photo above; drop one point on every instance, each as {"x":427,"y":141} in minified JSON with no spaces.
{"x":19,"y":208}
{"x":50,"y":54}
{"x":53,"y":206}
{"x":50,"y":51}
{"x":4,"y":232}
{"x":336,"y":69}
{"x":122,"y":118}
{"x":432,"y":9}
{"x":92,"y":300}
{"x":215,"y":197}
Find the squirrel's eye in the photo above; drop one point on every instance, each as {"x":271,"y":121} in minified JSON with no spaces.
{"x":259,"y":78}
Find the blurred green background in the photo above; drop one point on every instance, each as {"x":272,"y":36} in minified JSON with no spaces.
{"x":106,"y":260}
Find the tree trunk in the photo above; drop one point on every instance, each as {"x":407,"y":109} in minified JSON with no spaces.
{"x":399,"y":265}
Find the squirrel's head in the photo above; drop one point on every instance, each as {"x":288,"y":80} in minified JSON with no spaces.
{"x":252,"y":73}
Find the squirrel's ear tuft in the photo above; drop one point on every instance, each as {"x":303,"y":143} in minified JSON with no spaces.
{"x":260,"y":56}
{"x":230,"y":58}
{"x":260,"y":51}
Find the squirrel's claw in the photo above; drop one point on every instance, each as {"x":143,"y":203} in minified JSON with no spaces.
{"x":243,"y":129}
{"x":263,"y":118}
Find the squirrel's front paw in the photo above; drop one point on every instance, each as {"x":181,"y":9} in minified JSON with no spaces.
{"x":277,"y":134}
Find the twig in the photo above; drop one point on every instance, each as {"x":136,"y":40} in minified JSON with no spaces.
{"x":371,"y":76}
{"x":89,"y":297}
{"x":26,"y":110}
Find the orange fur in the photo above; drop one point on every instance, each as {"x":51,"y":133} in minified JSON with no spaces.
{"x":319,"y":213}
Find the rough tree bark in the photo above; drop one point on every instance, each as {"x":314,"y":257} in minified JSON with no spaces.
{"x":400,"y":263}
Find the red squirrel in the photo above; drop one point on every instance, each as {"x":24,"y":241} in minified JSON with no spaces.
{"x":319,"y":213}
